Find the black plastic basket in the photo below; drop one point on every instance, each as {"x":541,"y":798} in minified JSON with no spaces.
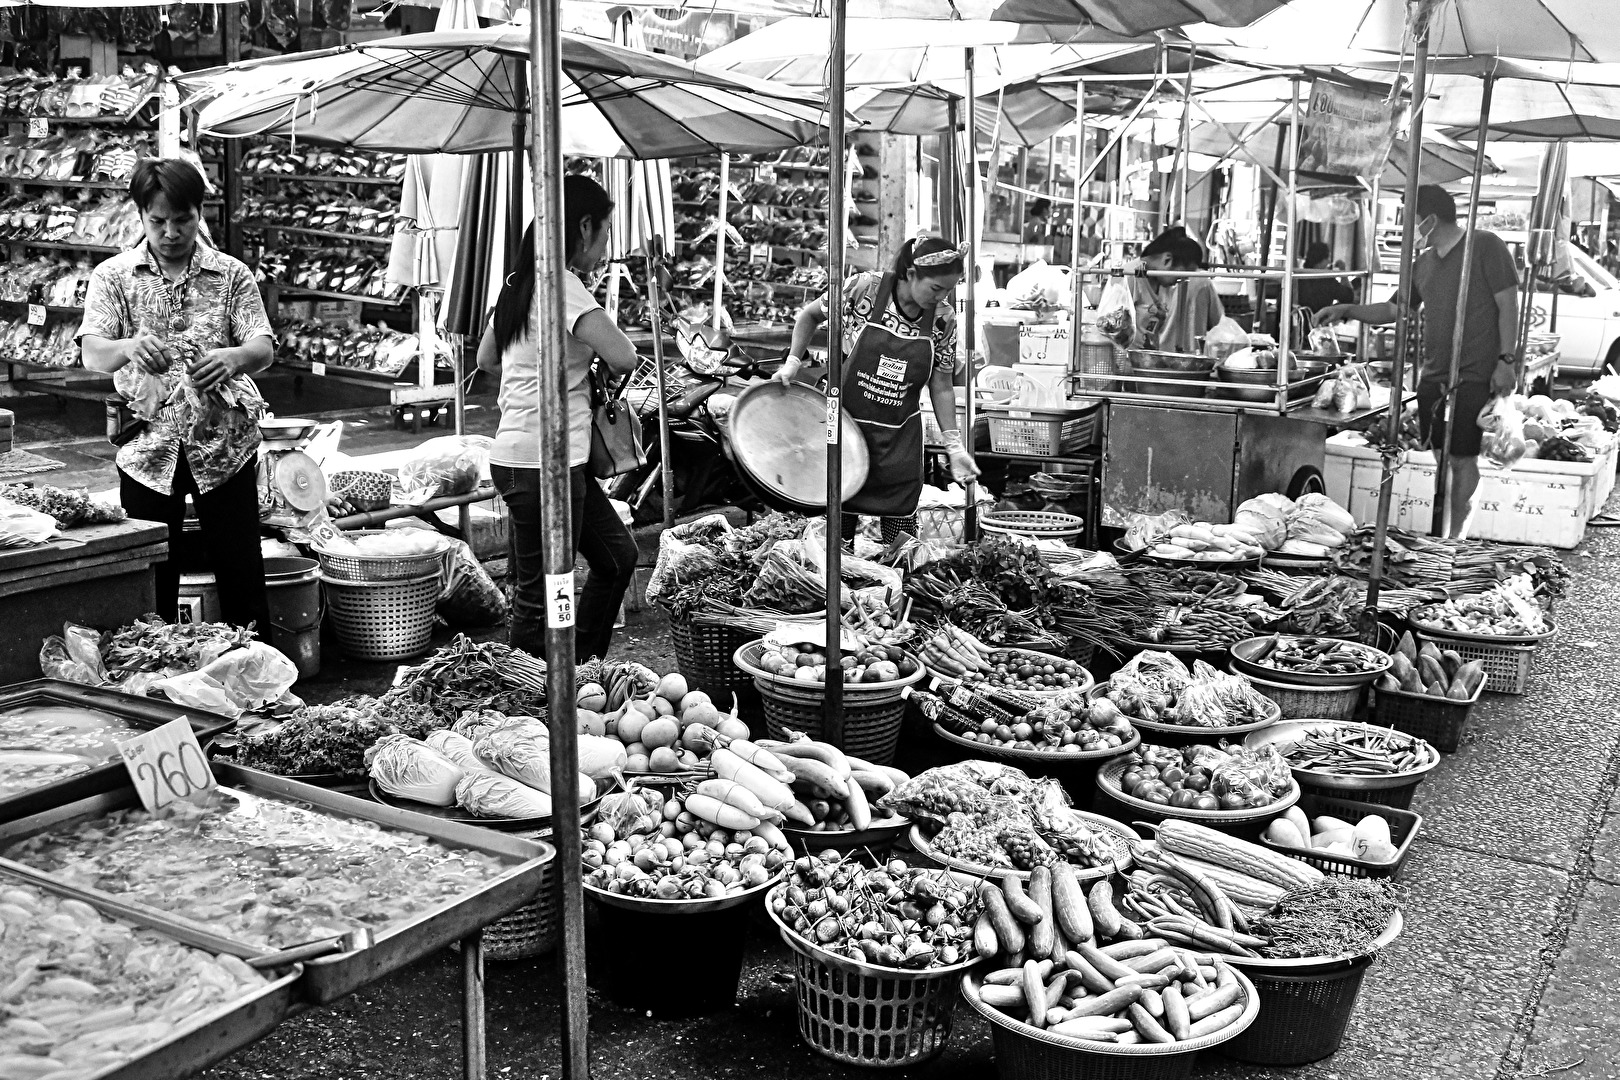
{"x":1302,"y":1015}
{"x":1441,"y":721}
{"x":1404,"y":826}
{"x":871,"y":727}
{"x":703,"y":654}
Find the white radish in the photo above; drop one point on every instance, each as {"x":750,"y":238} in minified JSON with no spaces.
{"x":770,"y":791}
{"x":734,"y":794}
{"x":715,"y":812}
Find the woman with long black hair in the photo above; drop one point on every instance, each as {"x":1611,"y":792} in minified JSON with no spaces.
{"x":509,"y":348}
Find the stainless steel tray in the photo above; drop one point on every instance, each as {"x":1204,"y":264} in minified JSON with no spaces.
{"x":331,"y":977}
{"x":209,"y":1038}
{"x":144,"y":712}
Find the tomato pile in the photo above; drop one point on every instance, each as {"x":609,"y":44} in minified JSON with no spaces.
{"x":1196,"y":777}
{"x":1013,"y":670}
{"x":870,"y":664}
{"x":1067,"y":731}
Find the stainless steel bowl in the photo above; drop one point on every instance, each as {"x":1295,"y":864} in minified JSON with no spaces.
{"x":1289,"y":732}
{"x":1152,"y":360}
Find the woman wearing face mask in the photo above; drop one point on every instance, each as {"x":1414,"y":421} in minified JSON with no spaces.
{"x":509,"y":349}
{"x":899,"y":333}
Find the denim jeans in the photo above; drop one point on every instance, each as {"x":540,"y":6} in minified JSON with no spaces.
{"x":605,"y":542}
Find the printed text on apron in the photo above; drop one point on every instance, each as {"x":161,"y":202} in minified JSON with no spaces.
{"x":884,"y":376}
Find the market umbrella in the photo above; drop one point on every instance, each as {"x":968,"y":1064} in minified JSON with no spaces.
{"x":457,"y":92}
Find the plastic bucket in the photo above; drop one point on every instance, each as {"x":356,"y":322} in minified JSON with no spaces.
{"x":292,"y":589}
{"x":619,"y":949}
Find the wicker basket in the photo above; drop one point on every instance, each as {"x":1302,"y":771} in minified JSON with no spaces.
{"x":941,"y":523}
{"x":1038,"y":432}
{"x":1038,"y":524}
{"x":1507,"y":667}
{"x":871,"y":722}
{"x":703,"y":653}
{"x":383,"y":620}
{"x":1302,"y":1015}
{"x":1439,"y":720}
{"x":350,"y":482}
{"x":1404,"y":826}
{"x":342,"y":566}
{"x":1311,"y":702}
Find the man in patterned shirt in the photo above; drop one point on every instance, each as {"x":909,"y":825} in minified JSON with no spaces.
{"x":181,"y":327}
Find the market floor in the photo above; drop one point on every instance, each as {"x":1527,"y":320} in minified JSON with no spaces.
{"x":1506,"y":968}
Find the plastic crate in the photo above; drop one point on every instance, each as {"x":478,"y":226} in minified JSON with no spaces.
{"x":1035,"y":432}
{"x":874,"y":1021}
{"x":932,"y":435}
{"x":1440,"y":721}
{"x":1404,"y":826}
{"x":1507,"y":667}
{"x":383,"y":620}
{"x":1303,"y":1015}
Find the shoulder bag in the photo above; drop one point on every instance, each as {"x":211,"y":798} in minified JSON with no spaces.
{"x":615,"y":430}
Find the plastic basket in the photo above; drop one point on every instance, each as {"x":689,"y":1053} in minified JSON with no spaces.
{"x":871,"y":725}
{"x":1310,"y":702}
{"x":942,"y":523}
{"x":349,"y":567}
{"x":531,"y":930}
{"x":883,"y":1021}
{"x":383,"y":620}
{"x":1507,"y":667}
{"x":932,"y":435}
{"x":344,"y":483}
{"x":703,"y":655}
{"x":1302,"y":1016}
{"x":1438,"y":720}
{"x":1036,"y":432}
{"x":1039,"y":524}
{"x":1404,"y":826}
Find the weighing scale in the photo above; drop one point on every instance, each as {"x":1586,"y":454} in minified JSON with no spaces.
{"x":292,"y":488}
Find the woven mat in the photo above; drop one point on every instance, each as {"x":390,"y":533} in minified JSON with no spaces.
{"x":21,"y":463}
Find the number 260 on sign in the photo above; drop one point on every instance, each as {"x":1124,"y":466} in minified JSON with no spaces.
{"x":167,"y":764}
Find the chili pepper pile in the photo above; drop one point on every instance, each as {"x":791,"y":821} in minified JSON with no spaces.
{"x":1348,"y":751}
{"x":1316,"y":656}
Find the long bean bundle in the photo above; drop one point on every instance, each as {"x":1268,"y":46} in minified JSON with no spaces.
{"x":1334,"y":917}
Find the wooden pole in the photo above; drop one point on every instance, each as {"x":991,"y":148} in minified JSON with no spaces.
{"x":837,"y":182}
{"x":1442,"y":481}
{"x":545,"y":50}
{"x":970,"y":514}
{"x":1397,"y":374}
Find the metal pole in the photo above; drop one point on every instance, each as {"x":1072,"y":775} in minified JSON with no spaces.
{"x":231,"y":174}
{"x":474,"y":1062}
{"x":1442,"y":485}
{"x":520,"y":150}
{"x":1184,"y":150}
{"x":720,"y":241}
{"x":1285,"y":295}
{"x":1075,"y":217}
{"x":832,"y":725}
{"x":948,"y":171}
{"x":550,"y":264}
{"x":1397,"y":373}
{"x":970,"y":515}
{"x":1372,"y":267}
{"x":653,"y":245}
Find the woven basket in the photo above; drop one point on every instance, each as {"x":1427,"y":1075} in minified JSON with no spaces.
{"x":383,"y":620}
{"x":1310,"y":702}
{"x":350,"y":484}
{"x":871,"y":724}
{"x":703,"y":655}
{"x":343,"y":566}
{"x":1302,"y":1015}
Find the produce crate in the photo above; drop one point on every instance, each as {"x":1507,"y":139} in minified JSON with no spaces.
{"x":1403,"y":829}
{"x":1440,"y":721}
{"x":1507,"y":667}
{"x":1044,"y":432}
{"x":942,"y":523}
{"x":932,"y":434}
{"x":1302,"y":1014}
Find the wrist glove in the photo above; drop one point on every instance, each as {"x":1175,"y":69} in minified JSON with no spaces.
{"x":963,"y":469}
{"x":790,"y":367}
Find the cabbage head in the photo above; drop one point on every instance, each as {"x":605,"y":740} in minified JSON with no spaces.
{"x":411,"y":769}
{"x":492,"y":795}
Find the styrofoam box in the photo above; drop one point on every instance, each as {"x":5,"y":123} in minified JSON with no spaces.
{"x":1040,"y":343}
{"x":1535,"y":502}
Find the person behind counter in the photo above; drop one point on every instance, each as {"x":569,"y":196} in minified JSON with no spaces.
{"x":1318,"y":293}
{"x":1490,"y":364}
{"x":181,"y":328}
{"x":899,"y":333}
{"x":1189,"y":307}
{"x":509,"y":348}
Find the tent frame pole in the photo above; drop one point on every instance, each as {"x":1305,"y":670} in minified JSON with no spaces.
{"x":545,"y":49}
{"x":970,"y":272}
{"x":1442,"y":523}
{"x":832,"y":724}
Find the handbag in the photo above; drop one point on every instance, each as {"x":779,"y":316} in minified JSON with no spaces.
{"x":615,"y":431}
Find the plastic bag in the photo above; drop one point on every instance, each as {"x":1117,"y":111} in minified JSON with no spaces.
{"x":855,"y":571}
{"x":1225,"y":339}
{"x":470,"y":597}
{"x":448,"y":465}
{"x":242,"y":680}
{"x":1256,"y":776}
{"x":1116,"y":313}
{"x":1503,"y":443}
{"x":1038,"y":286}
{"x":73,"y":656}
{"x":1140,"y":529}
{"x":686,"y":551}
{"x":22,"y":527}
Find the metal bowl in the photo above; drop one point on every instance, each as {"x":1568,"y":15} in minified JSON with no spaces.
{"x":1292,"y":731}
{"x":1155,"y":361}
{"x":1108,"y":782}
{"x":1166,"y":734}
{"x":699,"y":906}
{"x":1119,"y":834}
{"x":286,"y":427}
{"x":779,"y":438}
{"x":1243,"y":650}
{"x":1044,"y":757}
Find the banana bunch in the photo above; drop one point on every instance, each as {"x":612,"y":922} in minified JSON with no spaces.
{"x":624,"y":682}
{"x":954,"y":651}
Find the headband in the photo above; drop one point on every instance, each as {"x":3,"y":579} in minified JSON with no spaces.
{"x":939,"y":258}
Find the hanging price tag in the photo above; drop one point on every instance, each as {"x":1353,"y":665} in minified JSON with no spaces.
{"x":832,"y":417}
{"x":36,"y":314}
{"x":560,"y":600}
{"x":39,"y":127}
{"x":168,"y":765}
{"x":317,"y":368}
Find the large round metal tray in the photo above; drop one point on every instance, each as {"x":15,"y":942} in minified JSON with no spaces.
{"x":1241,"y":650}
{"x":1436,"y":630}
{"x":1108,"y":780}
{"x":1219,"y":566}
{"x":215,"y":749}
{"x":779,"y":437}
{"x":464,"y":817}
{"x":1046,"y":757}
{"x":685,"y":907}
{"x":1274,"y":713}
{"x":1291,"y":731}
{"x":799,"y":942}
{"x":1117,"y":830}
{"x":883,"y":830}
{"x":1306,"y":965}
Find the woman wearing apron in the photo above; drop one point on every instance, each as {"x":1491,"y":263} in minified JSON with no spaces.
{"x":899,"y":335}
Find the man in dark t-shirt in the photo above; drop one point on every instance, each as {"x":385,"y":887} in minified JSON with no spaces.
{"x":1318,"y":293}
{"x":1489,"y":361}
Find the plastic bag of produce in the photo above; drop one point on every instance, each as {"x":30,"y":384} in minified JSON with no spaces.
{"x":854,"y":570}
{"x":1116,"y":313}
{"x":75,"y":656}
{"x":1256,"y":776}
{"x":1038,"y":286}
{"x":470,"y":596}
{"x":788,"y":582}
{"x":1156,"y":670}
{"x":448,"y":465}
{"x":1225,"y":339}
{"x":242,"y":680}
{"x":1141,"y":529}
{"x":1503,"y":443}
{"x":492,"y":795}
{"x":936,"y":794}
{"x":686,"y":552}
{"x":411,"y":769}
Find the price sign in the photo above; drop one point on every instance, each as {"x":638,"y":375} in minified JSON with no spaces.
{"x":36,"y":314}
{"x":317,"y":368}
{"x":759,"y":253}
{"x":168,"y":765}
{"x":38,"y":127}
{"x":560,"y":600}
{"x":832,"y":416}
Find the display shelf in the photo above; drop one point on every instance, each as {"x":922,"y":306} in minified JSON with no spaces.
{"x":324,"y":294}
{"x":315,"y":178}
{"x":50,"y":309}
{"x":53,"y":245}
{"x":330,"y":234}
{"x":92,"y":185}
